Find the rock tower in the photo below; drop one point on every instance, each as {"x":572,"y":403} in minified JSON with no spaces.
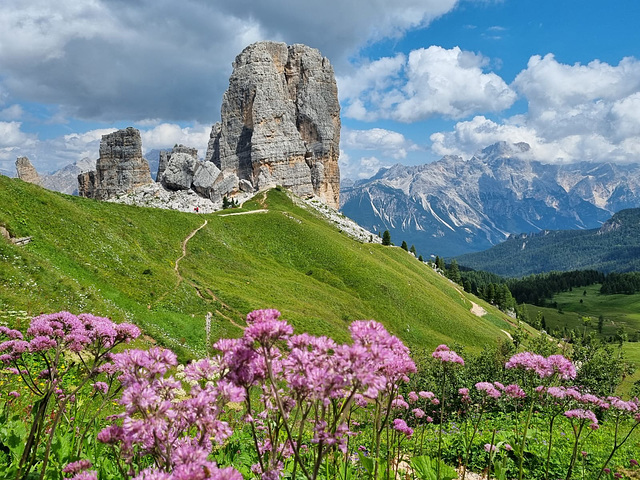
{"x":281,"y":121}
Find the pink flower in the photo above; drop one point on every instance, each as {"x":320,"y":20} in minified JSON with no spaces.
{"x":488,"y":389}
{"x":418,"y":413}
{"x":530,"y":362}
{"x":582,"y":414}
{"x":490,"y":448}
{"x":402,"y":427}
{"x":445,"y":355}
{"x":413,"y":397}
{"x":514,"y":391}
{"x":508,"y":447}
{"x":562,"y":366}
{"x":76,"y":467}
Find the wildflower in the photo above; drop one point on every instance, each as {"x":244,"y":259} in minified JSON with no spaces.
{"x":514,"y":391}
{"x":76,"y":467}
{"x":101,"y":387}
{"x":582,"y":414}
{"x":402,"y":427}
{"x":14,"y":394}
{"x":561,"y":366}
{"x":508,"y":447}
{"x":530,"y":362}
{"x":418,"y":413}
{"x":413,"y":397}
{"x":490,"y":448}
{"x":445,"y":355}
{"x":488,"y":389}
{"x":633,"y":462}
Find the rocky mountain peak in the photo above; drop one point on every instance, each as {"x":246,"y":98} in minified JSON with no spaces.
{"x":454,"y":206}
{"x":281,"y":121}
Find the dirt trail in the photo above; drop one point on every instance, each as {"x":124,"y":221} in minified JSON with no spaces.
{"x":263,"y":210}
{"x":213,"y":297}
{"x":184,"y":250}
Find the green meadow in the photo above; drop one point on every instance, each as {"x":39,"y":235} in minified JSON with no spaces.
{"x":120,"y":261}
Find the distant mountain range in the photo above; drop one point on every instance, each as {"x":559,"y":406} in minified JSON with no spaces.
{"x":455,"y":206}
{"x":614,"y":247}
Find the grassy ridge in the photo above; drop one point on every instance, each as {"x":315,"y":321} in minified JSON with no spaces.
{"x":118,"y":261}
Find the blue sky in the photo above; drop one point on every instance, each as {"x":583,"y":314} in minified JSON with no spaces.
{"x":418,"y":79}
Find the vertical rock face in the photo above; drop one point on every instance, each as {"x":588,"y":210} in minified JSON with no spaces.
{"x":281,"y":121}
{"x":87,"y":184}
{"x":27,"y":172}
{"x":120,"y":167}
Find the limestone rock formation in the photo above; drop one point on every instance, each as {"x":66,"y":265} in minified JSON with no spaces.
{"x":121,"y":167}
{"x":27,"y":172}
{"x":281,"y":121}
{"x":87,"y":184}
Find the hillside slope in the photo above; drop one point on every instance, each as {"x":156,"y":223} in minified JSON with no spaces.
{"x":120,"y":261}
{"x":614,"y":247}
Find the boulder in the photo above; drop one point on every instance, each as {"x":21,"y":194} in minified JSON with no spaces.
{"x":281,"y":121}
{"x":204,"y":179}
{"x":27,"y":172}
{"x":180,"y":171}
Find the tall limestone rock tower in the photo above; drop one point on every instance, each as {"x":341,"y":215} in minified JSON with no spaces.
{"x":281,"y":121}
{"x":120,"y":168}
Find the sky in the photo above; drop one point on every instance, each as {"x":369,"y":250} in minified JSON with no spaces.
{"x":417,"y":79}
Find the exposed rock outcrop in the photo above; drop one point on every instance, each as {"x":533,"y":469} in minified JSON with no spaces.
{"x":120,"y":168}
{"x":27,"y":172}
{"x":87,"y":184}
{"x":281,"y":121}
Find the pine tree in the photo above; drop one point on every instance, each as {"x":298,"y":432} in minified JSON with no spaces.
{"x":413,"y":250}
{"x":404,"y":246}
{"x":386,"y":238}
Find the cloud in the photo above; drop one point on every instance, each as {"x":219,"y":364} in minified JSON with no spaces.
{"x":166,"y":135}
{"x":576,"y":112}
{"x":360,"y":168}
{"x":389,"y":143}
{"x":113,"y":60}
{"x":430,"y":82}
{"x":11,"y":137}
{"x":14,"y":112}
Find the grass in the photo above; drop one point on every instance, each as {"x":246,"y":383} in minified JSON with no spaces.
{"x":617,"y":310}
{"x":118,"y":261}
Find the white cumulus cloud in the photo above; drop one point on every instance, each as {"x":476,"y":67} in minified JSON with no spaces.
{"x":576,"y":112}
{"x":431,"y":81}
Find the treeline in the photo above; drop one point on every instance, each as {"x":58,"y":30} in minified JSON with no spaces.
{"x":627,"y":283}
{"x":538,"y":289}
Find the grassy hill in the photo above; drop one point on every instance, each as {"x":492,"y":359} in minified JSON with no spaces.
{"x":120,"y":261}
{"x":615,"y":247}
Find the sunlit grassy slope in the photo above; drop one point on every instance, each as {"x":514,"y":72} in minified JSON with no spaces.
{"x":118,"y":261}
{"x":618,"y":311}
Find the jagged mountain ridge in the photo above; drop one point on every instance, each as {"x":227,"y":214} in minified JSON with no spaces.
{"x":454,"y":206}
{"x":613,"y":247}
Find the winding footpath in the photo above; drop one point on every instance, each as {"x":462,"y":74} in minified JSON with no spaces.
{"x":184,"y":250}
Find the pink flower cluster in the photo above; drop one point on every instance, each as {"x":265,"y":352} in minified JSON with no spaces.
{"x":67,"y":331}
{"x":445,"y":355}
{"x":173,"y":427}
{"x":543,"y":367}
{"x":582,"y":414}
